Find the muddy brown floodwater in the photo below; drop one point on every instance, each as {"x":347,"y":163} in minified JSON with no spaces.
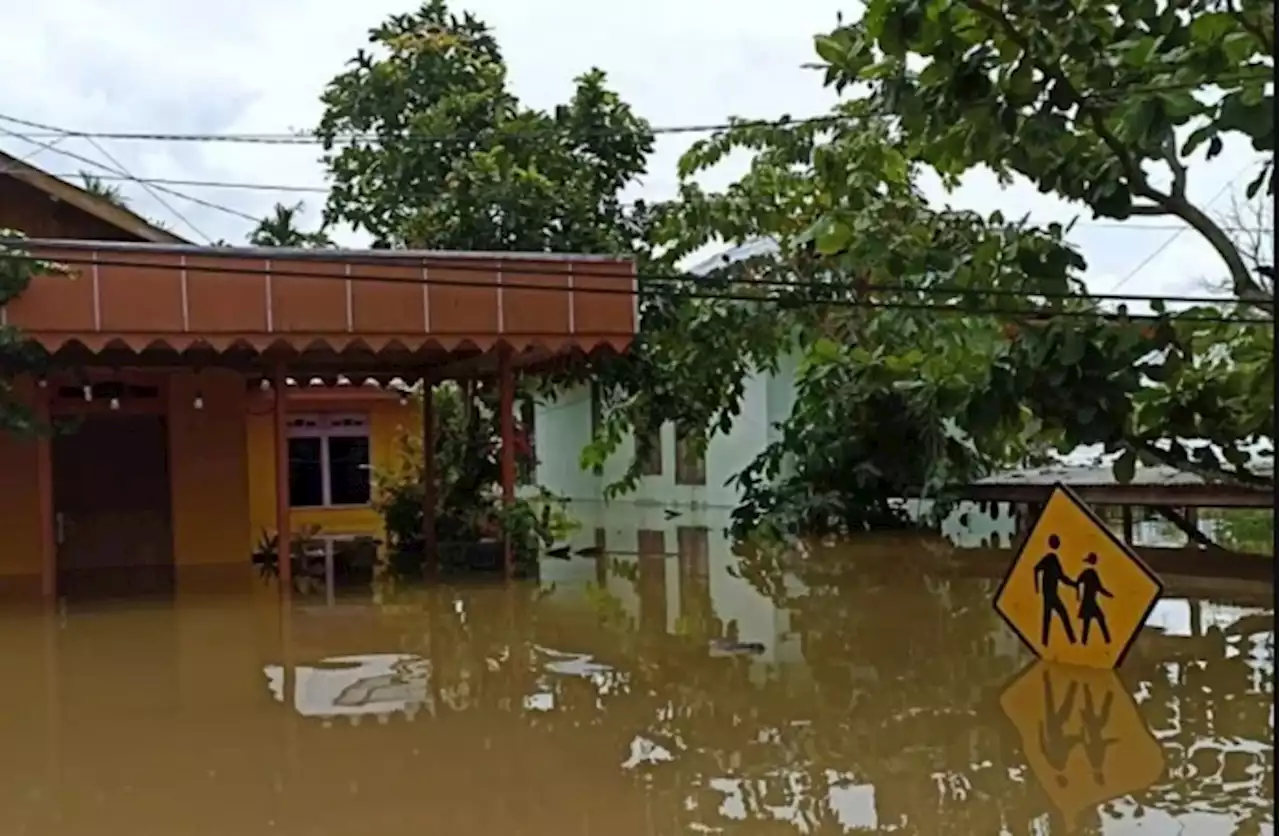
{"x":663,"y":694}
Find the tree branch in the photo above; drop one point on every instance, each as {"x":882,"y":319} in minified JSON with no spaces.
{"x":1170,"y":154}
{"x":1246,"y":289}
{"x":1193,"y":533}
{"x":1148,"y":209}
{"x":1241,"y":478}
{"x":1242,"y":282}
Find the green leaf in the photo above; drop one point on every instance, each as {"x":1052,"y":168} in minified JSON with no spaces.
{"x":833,"y":236}
{"x":1209,"y":29}
{"x":1124,"y":467}
{"x":1251,"y":191}
{"x":829,"y":49}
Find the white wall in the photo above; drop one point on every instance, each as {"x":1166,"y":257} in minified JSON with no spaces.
{"x":564,"y":427}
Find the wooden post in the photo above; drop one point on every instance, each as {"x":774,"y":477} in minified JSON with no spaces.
{"x":429,"y":488}
{"x":507,"y":431}
{"x":284,"y":536}
{"x":44,"y":488}
{"x":1126,"y":516}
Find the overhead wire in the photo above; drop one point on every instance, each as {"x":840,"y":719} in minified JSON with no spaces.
{"x":96,"y":260}
{"x":52,"y":146}
{"x":324,"y":190}
{"x":310,"y":138}
{"x":152,"y":190}
{"x":1168,"y":242}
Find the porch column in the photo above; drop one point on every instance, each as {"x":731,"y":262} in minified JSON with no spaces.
{"x":507,"y":431}
{"x":284,"y":536}
{"x":1126,"y":522}
{"x":429,"y":551}
{"x":44,"y":488}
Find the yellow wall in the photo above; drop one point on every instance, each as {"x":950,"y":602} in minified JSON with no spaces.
{"x":222,"y":472}
{"x":387,"y":420}
{"x":209,"y":472}
{"x":19,"y":502}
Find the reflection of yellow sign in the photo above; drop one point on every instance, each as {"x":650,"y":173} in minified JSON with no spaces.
{"x":1082,"y":735}
{"x":1075,"y":593}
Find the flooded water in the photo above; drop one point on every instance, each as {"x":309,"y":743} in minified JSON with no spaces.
{"x":652,"y":691}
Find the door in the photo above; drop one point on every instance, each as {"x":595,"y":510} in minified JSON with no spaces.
{"x":112,"y":512}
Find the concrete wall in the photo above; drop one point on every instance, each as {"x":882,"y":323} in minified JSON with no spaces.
{"x":564,"y":428}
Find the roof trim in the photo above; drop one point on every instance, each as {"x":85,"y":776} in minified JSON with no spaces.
{"x":313,"y":253}
{"x":119,"y":217}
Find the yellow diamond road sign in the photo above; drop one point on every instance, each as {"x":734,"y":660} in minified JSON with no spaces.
{"x":1075,"y":593}
{"x":1082,"y":736}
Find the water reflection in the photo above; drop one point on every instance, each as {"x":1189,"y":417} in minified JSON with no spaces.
{"x":863,"y":688}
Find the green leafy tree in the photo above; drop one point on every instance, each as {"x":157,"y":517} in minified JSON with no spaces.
{"x":427,"y":147}
{"x":280,"y":229}
{"x":897,"y":311}
{"x":1086,"y":99}
{"x":17,"y":269}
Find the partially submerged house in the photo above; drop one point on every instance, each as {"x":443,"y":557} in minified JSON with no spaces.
{"x":172,"y":364}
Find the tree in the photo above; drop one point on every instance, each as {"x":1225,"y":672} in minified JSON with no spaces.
{"x":428,"y":148}
{"x":1082,"y":99}
{"x":95,"y":186}
{"x":17,"y":269}
{"x":280,"y":229}
{"x":897,"y":310}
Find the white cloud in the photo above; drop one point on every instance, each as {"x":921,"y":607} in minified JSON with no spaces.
{"x":246,"y":66}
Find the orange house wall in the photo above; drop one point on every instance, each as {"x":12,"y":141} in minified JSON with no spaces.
{"x":19,"y":505}
{"x":222,"y":478}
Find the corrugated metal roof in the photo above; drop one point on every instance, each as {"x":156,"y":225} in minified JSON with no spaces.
{"x":750,"y":249}
{"x":1095,"y":475}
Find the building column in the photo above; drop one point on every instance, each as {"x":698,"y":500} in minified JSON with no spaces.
{"x":507,"y":432}
{"x":430,"y":553}
{"x":44,"y":488}
{"x":284,"y":535}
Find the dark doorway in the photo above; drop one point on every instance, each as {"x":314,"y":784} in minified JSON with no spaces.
{"x":112,"y":508}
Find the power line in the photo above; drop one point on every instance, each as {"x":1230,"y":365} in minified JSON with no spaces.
{"x":308,"y":138}
{"x":1168,"y":242}
{"x":368,"y":259}
{"x":52,"y":146}
{"x":324,"y":190}
{"x":152,"y":190}
{"x":1035,"y":313}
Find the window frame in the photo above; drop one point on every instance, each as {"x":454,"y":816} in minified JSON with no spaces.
{"x":690,"y":471}
{"x":325,"y":426}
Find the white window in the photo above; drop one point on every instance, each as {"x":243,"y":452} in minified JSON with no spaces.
{"x":328,"y":460}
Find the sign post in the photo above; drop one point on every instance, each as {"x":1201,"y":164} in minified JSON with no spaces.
{"x":1075,"y":593}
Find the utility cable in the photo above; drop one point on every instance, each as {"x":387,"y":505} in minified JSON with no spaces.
{"x":579,"y":270}
{"x":1033,"y":313}
{"x":324,"y":190}
{"x":52,"y":146}
{"x":1168,"y":242}
{"x":154,"y":192}
{"x":309,"y":138}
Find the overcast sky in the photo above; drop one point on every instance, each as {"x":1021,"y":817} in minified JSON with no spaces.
{"x":256,"y":66}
